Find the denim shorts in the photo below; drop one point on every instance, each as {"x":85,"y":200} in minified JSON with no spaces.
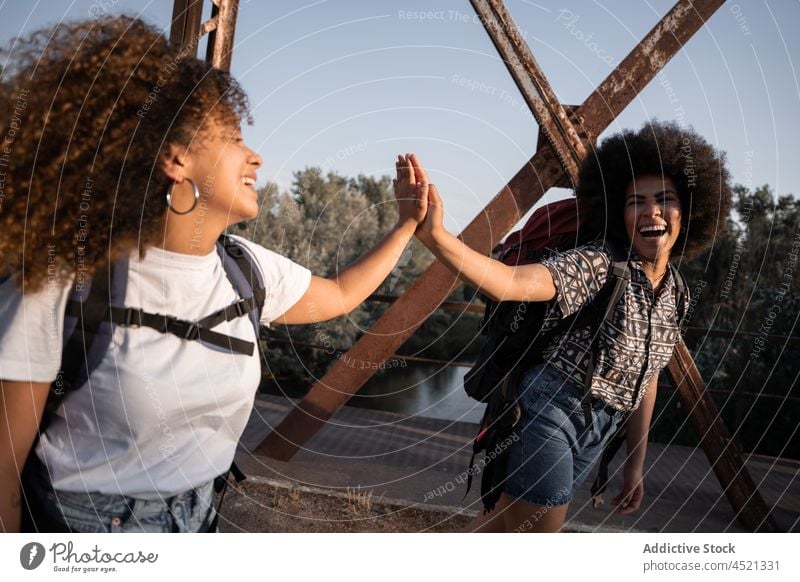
{"x":65,"y":511}
{"x":554,"y":452}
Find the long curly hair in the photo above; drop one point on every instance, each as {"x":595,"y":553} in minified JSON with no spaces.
{"x":661,"y":149}
{"x":86,"y":110}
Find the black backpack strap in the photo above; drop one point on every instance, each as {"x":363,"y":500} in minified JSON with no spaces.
{"x":87,"y":331}
{"x":229,"y":313}
{"x":622,"y":275}
{"x":680,"y":294}
{"x":619,"y":276}
{"x":499,"y":418}
{"x":246,"y":280}
{"x":244,"y":274}
{"x":246,"y":277}
{"x":89,"y":314}
{"x":221,"y":487}
{"x":612,"y":446}
{"x":188,"y":330}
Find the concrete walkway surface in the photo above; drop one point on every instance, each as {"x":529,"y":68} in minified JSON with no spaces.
{"x":421,"y":462}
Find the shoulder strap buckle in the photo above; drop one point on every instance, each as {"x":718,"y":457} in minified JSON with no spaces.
{"x":185,"y":329}
{"x":133,"y":317}
{"x":243,"y":307}
{"x":620,"y":270}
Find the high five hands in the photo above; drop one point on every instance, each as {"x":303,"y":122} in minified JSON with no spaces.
{"x":412,"y":184}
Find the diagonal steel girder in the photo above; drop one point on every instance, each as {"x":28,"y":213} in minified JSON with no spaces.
{"x":529,"y":184}
{"x":716,"y":441}
{"x":554,"y":123}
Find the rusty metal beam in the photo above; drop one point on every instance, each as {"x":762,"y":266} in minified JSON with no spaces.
{"x":220,"y":40}
{"x":552,"y":118}
{"x":643,"y":63}
{"x":185,"y":28}
{"x":726,"y":461}
{"x":459,"y":306}
{"x":544,"y":170}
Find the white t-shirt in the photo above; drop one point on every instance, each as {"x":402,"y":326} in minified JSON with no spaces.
{"x":160,"y":414}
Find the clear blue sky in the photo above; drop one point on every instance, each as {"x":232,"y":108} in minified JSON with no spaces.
{"x":347,"y":85}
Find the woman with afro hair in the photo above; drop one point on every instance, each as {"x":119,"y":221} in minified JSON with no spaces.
{"x":660,"y":194}
{"x":119,"y":146}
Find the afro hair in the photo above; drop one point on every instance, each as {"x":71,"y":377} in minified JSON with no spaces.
{"x":87,"y":108}
{"x":662,"y":149}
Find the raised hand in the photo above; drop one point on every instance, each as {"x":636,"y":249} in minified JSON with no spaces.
{"x":433,"y":224}
{"x":496,"y":280}
{"x":411,"y":205}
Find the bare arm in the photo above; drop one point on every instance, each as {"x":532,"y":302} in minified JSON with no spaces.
{"x":329,"y":298}
{"x":638,"y":430}
{"x":496,"y":280}
{"x":21,"y":406}
{"x":639,"y":424}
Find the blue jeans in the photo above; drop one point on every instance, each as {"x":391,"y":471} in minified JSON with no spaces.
{"x":65,"y":511}
{"x":555,"y":452}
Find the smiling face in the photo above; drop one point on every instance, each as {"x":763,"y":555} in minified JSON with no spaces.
{"x":224,"y":169}
{"x":652,"y":216}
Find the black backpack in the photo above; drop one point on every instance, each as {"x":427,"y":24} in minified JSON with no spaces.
{"x":94,"y":307}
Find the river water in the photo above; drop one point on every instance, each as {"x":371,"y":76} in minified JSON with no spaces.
{"x":421,"y":390}
{"x":417,"y":390}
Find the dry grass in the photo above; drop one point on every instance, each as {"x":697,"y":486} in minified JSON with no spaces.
{"x":261,"y":507}
{"x":359,"y":500}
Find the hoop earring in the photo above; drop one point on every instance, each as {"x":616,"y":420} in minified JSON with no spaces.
{"x":196,"y":197}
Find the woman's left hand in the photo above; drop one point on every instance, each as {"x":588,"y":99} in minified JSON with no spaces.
{"x":412,"y":206}
{"x":630,"y":498}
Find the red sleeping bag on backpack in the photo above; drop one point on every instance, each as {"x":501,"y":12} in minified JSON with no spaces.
{"x":549,"y":227}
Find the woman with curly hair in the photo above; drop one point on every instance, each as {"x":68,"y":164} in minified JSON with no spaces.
{"x":118,"y":147}
{"x":660,"y":194}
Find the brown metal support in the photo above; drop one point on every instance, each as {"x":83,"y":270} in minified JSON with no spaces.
{"x":552,"y":118}
{"x":187,"y":29}
{"x":186,"y":17}
{"x":641,"y":65}
{"x":220,"y":40}
{"x":716,"y":441}
{"x":402,"y":318}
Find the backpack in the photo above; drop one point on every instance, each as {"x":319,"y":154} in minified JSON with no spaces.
{"x":95,"y":306}
{"x":515,"y":342}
